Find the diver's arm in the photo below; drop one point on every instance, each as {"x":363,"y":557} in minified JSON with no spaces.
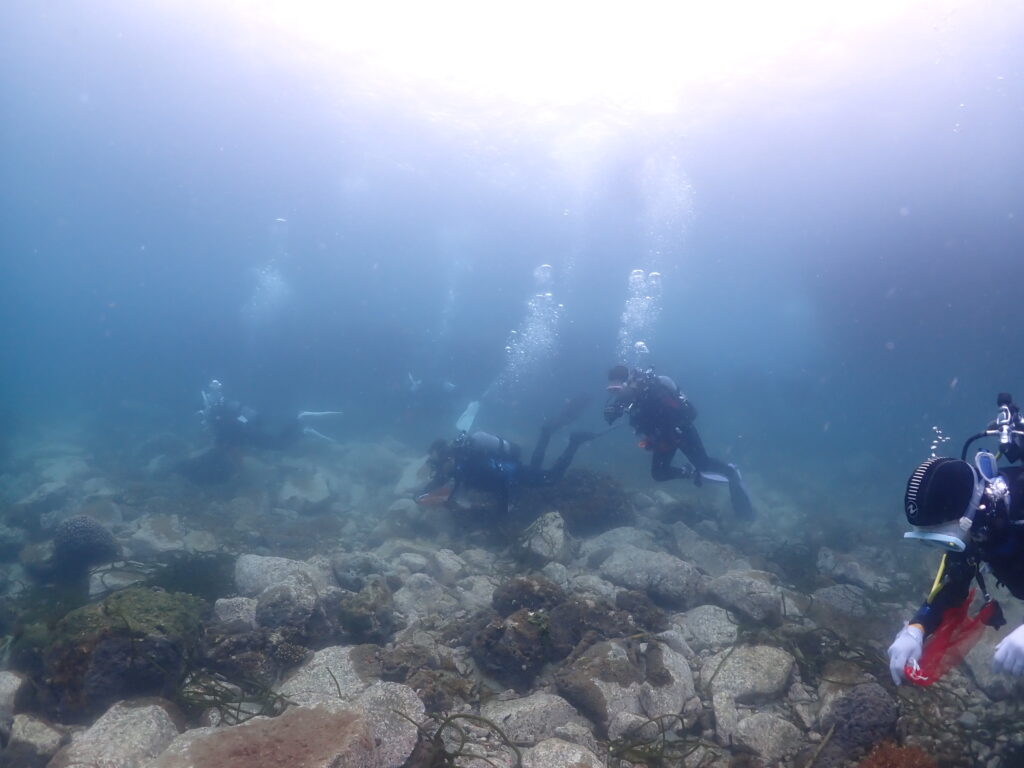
{"x":956,"y":583}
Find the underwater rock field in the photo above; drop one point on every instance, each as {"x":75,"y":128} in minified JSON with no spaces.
{"x":310,"y":614}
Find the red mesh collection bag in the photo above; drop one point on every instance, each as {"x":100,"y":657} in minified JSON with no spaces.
{"x":952,"y":641}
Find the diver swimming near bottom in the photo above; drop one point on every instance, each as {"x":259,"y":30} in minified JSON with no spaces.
{"x":482,"y":461}
{"x":663,"y":417}
{"x":974,"y":513}
{"x":235,"y":427}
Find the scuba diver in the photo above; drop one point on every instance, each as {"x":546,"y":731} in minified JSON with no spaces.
{"x":485,"y":462}
{"x":975,"y":515}
{"x":663,"y":417}
{"x":235,"y":427}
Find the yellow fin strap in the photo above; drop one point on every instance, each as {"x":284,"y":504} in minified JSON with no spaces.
{"x":937,"y":584}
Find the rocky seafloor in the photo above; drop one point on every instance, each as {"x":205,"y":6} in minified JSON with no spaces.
{"x":309,"y":613}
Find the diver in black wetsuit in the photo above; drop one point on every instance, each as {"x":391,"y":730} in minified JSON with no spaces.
{"x":485,"y":462}
{"x":664,"y":418}
{"x":235,"y":427}
{"x":975,"y":515}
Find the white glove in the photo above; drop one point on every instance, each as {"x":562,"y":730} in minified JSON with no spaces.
{"x":906,"y":649}
{"x":1009,"y":655}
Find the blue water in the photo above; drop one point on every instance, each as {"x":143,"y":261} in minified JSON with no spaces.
{"x":840,"y":255}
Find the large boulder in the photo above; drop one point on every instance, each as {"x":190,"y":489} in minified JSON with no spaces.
{"x":134,"y":643}
{"x":128,"y":735}
{"x":619,"y":686}
{"x":752,"y":594}
{"x":669,"y":580}
{"x":711,"y":557}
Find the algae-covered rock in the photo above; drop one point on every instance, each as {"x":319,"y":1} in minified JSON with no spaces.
{"x":134,"y":643}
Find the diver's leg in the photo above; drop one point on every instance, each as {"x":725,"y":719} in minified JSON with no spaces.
{"x":537,"y":458}
{"x":691,"y":445}
{"x":662,"y":469}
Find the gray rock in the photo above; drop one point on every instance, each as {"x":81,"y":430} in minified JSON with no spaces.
{"x":33,"y":742}
{"x":750,"y":593}
{"x":235,"y":614}
{"x":668,"y":579}
{"x":749,"y":674}
{"x":614,"y":538}
{"x":156,"y":535}
{"x":313,"y":737}
{"x":391,"y":709}
{"x":422,"y":596}
{"x":15,"y":689}
{"x":413,"y":476}
{"x":711,"y":557}
{"x":413,"y":562}
{"x":331,"y":675}
{"x":254,"y":573}
{"x":289,"y":604}
{"x":475,"y":593}
{"x":103,"y":583}
{"x":533,"y":718}
{"x":557,"y":574}
{"x":842,"y":601}
{"x":606,"y":683}
{"x":128,"y":735}
{"x":556,"y":753}
{"x":851,"y":569}
{"x":706,"y":626}
{"x":546,"y":540}
{"x":769,"y":736}
{"x":448,"y":567}
{"x":590,"y":584}
{"x":304,"y":488}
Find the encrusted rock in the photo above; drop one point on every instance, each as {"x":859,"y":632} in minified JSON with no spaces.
{"x":533,"y":718}
{"x":133,"y":643}
{"x":862,"y":718}
{"x":530,"y":592}
{"x":128,"y":735}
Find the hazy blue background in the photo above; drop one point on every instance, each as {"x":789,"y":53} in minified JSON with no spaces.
{"x":840,"y":248}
